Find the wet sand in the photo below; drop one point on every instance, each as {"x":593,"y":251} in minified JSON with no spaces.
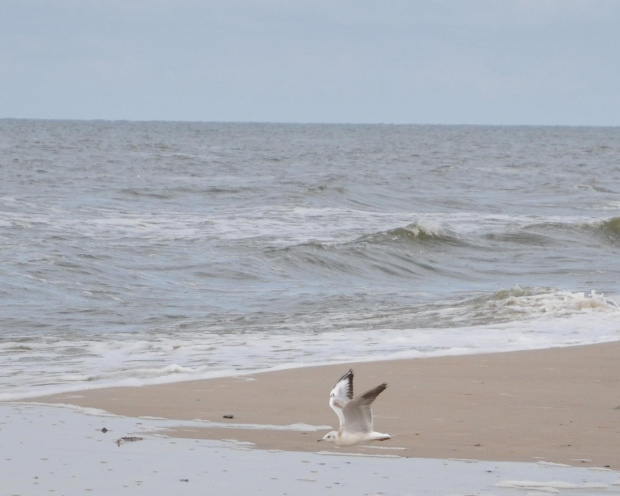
{"x":558,"y":405}
{"x":57,"y":450}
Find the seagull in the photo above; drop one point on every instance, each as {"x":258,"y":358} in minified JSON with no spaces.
{"x":354,"y":414}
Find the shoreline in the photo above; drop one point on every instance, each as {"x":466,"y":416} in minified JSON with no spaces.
{"x":557,"y":405}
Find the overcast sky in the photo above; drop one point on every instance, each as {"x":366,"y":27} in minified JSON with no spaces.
{"x":383,"y":61}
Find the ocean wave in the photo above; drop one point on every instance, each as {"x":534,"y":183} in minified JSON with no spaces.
{"x":518,"y":304}
{"x":403,"y":252}
{"x":555,"y":232}
{"x":610,"y":229}
{"x":420,"y":231}
{"x":474,"y":231}
{"x":477,"y":231}
{"x":442,"y":248}
{"x":531,"y":303}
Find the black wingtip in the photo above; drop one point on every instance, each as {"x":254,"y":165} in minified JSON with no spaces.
{"x":346,"y":375}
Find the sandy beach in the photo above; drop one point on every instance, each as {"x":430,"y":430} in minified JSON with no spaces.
{"x":558,"y":405}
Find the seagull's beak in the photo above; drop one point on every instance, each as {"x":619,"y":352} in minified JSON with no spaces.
{"x":319,"y":440}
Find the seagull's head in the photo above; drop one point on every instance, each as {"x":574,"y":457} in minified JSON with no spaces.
{"x":330,"y":436}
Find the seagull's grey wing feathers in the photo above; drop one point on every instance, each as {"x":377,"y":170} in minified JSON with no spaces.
{"x":341,"y":395}
{"x":358,"y":413}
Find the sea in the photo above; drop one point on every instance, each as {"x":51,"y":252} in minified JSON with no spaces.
{"x":137,"y":253}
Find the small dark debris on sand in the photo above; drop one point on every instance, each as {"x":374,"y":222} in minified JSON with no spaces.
{"x":128,"y":439}
{"x":229,"y":416}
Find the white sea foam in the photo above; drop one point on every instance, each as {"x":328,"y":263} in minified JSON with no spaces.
{"x":553,"y":486}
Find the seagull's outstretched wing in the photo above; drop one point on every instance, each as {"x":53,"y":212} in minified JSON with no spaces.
{"x":342,"y":394}
{"x":358,"y":414}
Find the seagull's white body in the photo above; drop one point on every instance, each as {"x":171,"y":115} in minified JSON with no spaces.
{"x":355,"y":414}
